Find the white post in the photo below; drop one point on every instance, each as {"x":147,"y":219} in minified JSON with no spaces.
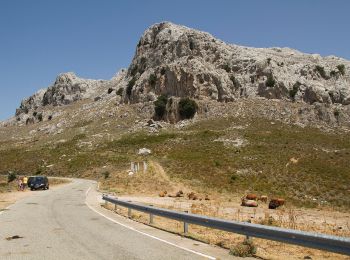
{"x":144,"y":167}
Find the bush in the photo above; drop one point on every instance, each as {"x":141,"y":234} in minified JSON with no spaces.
{"x":40,"y":117}
{"x":244,"y":249}
{"x":270,"y":82}
{"x":133,"y":70}
{"x":227,"y":68}
{"x":268,"y":61}
{"x":341,"y":69}
{"x":321,"y":71}
{"x":162,"y":71}
{"x":105,"y":174}
{"x":187,"y":108}
{"x":120,"y":92}
{"x":191,"y":44}
{"x":160,"y":106}
{"x":110,"y":90}
{"x":11,"y":176}
{"x":152,"y":79}
{"x":333,"y":73}
{"x":294,"y":90}
{"x":49,"y":117}
{"x":130,"y":86}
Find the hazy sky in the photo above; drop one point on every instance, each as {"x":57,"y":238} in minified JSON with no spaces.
{"x":42,"y":38}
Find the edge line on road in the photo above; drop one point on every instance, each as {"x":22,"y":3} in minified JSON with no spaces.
{"x":143,"y":233}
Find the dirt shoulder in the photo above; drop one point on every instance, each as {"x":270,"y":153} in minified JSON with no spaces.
{"x":10,"y":195}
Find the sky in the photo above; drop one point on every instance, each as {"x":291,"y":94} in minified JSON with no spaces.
{"x":41,"y":38}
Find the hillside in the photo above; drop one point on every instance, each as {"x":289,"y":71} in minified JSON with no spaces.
{"x":272,"y":121}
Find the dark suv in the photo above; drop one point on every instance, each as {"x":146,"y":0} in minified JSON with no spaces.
{"x":38,"y":182}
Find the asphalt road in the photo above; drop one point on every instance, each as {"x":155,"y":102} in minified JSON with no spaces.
{"x":59,"y":224}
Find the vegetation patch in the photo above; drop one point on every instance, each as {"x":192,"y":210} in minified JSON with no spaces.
{"x":160,"y":106}
{"x":187,"y":108}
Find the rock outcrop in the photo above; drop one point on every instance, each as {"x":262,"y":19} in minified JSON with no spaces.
{"x":177,"y":61}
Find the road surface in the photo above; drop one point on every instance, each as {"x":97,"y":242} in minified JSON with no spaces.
{"x":68,"y":223}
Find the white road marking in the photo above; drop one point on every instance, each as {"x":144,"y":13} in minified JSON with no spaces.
{"x":145,"y":234}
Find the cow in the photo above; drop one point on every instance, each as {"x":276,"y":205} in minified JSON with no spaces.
{"x":263,"y":198}
{"x":249,"y":203}
{"x":192,"y":196}
{"x":179,"y":194}
{"x":251,"y":196}
{"x":163,"y":193}
{"x":276,"y":202}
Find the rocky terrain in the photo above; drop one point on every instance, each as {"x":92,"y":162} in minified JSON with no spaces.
{"x":181,"y":62}
{"x":276,"y":116}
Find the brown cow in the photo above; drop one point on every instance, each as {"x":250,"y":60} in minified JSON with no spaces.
{"x":179,"y":194}
{"x":276,"y":202}
{"x":192,"y":196}
{"x":251,"y":196}
{"x":263,"y":198}
{"x":163,"y":193}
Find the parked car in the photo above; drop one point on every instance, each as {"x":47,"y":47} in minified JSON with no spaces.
{"x":38,"y":182}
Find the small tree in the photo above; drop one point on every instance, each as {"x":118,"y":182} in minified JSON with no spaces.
{"x":270,"y":81}
{"x":294,"y":90}
{"x":152,"y":79}
{"x":160,"y":106}
{"x":120,"y":92}
{"x":341,"y":68}
{"x":11,"y":176}
{"x":40,"y":117}
{"x":321,"y":71}
{"x":187,"y":108}
{"x":130,"y":86}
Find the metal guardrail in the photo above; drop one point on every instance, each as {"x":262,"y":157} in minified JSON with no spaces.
{"x":330,"y":243}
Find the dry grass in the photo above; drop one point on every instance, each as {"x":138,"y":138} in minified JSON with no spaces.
{"x":265,"y":249}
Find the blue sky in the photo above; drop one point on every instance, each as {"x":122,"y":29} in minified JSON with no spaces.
{"x":42,"y":38}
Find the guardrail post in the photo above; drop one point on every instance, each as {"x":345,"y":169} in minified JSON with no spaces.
{"x":151,"y":217}
{"x":185,"y":225}
{"x":247,"y":237}
{"x":129,"y":212}
{"x":115,"y":207}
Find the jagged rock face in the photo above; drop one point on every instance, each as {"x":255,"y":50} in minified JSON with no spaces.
{"x":179,"y":61}
{"x":66,"y":89}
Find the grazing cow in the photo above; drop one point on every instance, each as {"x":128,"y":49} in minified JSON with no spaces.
{"x":192,"y":196}
{"x":249,"y":203}
{"x":163,"y":193}
{"x":251,"y":196}
{"x":263,"y":198}
{"x":275,"y":203}
{"x":179,"y":194}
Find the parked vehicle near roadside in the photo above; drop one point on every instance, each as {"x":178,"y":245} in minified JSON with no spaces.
{"x":38,"y":182}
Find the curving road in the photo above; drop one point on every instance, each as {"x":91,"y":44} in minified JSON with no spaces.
{"x":68,"y":223}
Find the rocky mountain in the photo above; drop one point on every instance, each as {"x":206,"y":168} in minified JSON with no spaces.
{"x":181,"y":62}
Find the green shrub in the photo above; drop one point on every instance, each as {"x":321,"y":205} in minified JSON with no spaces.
{"x":133,"y":70}
{"x":187,"y":108}
{"x":336,"y":113}
{"x":321,"y":71}
{"x":270,"y":82}
{"x":268,"y":61}
{"x":11,"y":176}
{"x":40,"y":117}
{"x":162,"y":71}
{"x":160,"y":106}
{"x":245,"y":249}
{"x":152,"y":79}
{"x":191,"y":44}
{"x":120,"y":92}
{"x":110,"y":90}
{"x":294,"y":90}
{"x":130,"y":86}
{"x":227,"y":68}
{"x":105,"y":174}
{"x":333,"y":73}
{"x":341,"y":68}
